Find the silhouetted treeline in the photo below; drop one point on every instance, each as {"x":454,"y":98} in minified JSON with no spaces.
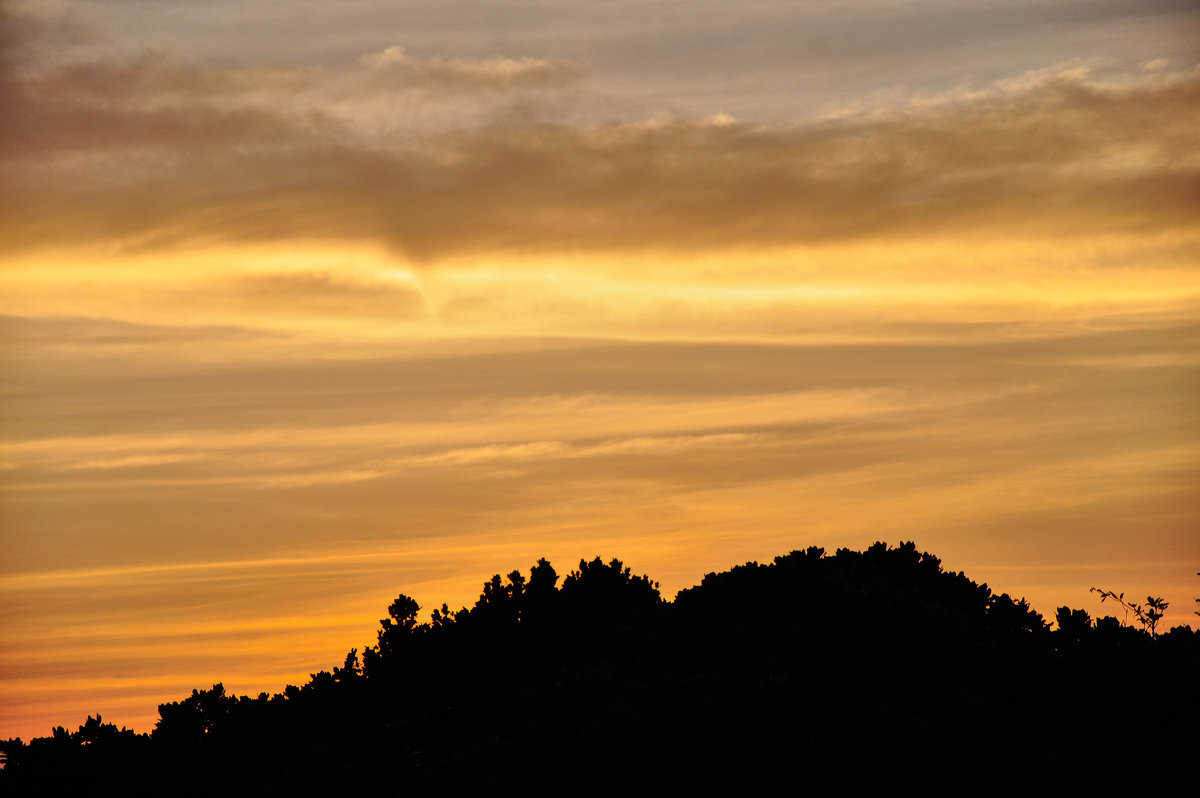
{"x":861,"y":665}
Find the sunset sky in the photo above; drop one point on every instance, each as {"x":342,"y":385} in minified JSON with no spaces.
{"x":305,"y":304}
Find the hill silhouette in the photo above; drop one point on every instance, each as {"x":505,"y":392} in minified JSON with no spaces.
{"x":854,"y":665}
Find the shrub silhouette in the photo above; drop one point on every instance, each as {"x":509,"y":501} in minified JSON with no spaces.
{"x":1148,"y":616}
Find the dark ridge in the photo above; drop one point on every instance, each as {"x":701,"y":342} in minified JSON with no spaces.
{"x":861,"y":666}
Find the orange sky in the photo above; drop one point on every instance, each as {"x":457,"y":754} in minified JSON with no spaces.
{"x":299,"y":313}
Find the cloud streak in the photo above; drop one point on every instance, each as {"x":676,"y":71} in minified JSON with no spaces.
{"x":394,"y":67}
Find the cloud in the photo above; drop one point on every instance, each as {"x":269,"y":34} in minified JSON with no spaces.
{"x":116,"y":106}
{"x":155,"y":76}
{"x":395,"y":67}
{"x":52,"y":128}
{"x":149,"y":151}
{"x":323,"y":293}
{"x":1059,"y":155}
{"x":603,"y":408}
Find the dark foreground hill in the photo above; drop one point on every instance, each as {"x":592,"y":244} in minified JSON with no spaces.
{"x":860,"y":665}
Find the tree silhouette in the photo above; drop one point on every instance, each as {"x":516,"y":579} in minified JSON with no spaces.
{"x":395,"y":635}
{"x":608,"y":593}
{"x":876,"y":659}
